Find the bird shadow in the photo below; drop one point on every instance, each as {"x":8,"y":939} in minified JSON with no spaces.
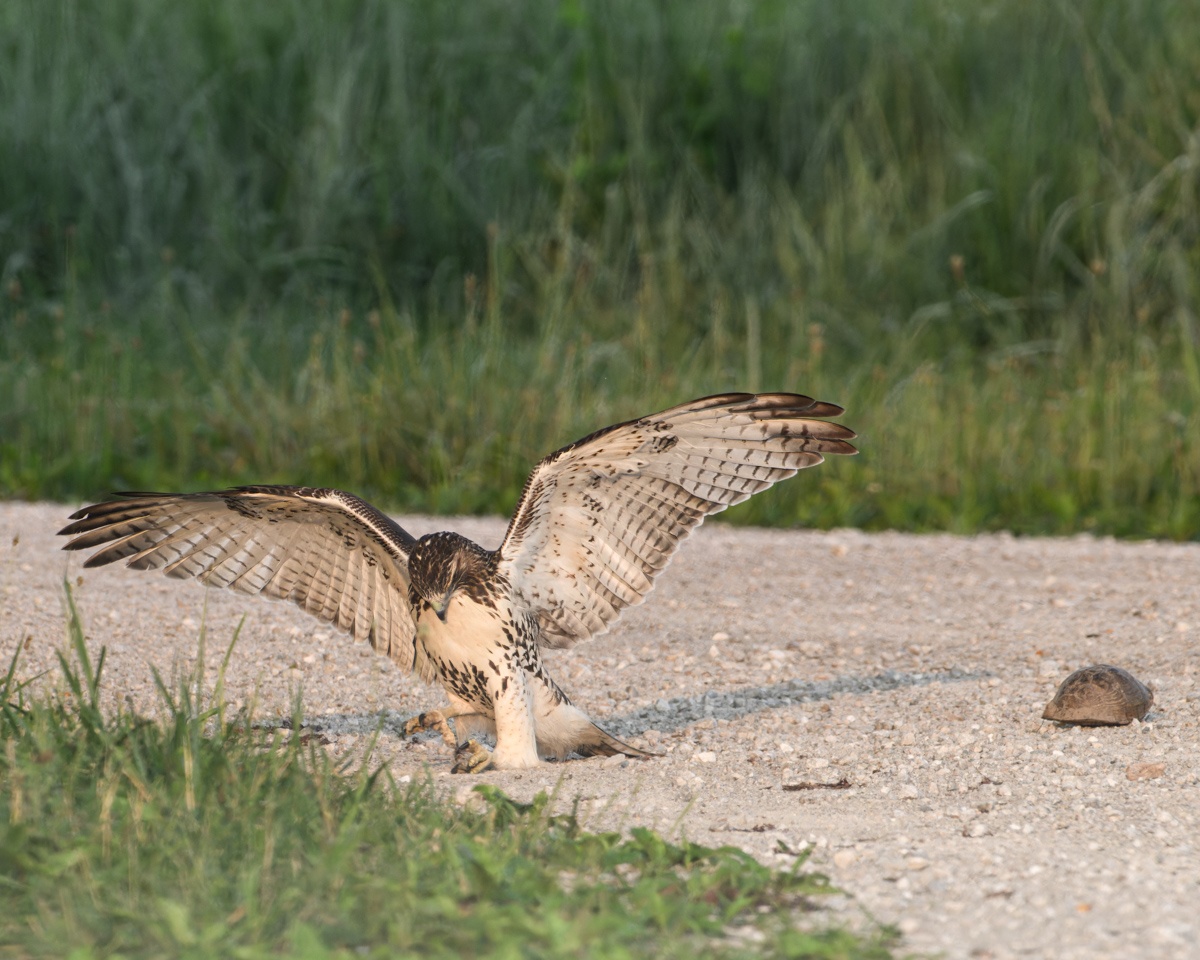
{"x":665,"y":715}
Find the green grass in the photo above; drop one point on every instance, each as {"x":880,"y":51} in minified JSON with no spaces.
{"x":408,"y":248}
{"x":192,"y":836}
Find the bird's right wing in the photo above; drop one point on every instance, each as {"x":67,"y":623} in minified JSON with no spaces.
{"x":331,"y":553}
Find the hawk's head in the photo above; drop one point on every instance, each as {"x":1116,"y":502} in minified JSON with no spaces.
{"x":442,"y":564}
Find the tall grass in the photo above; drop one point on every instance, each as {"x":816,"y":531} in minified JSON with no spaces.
{"x":196,"y":837}
{"x":409,"y":248}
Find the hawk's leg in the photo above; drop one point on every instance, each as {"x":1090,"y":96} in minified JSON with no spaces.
{"x":436,"y":720}
{"x":512,"y":705}
{"x":469,"y":757}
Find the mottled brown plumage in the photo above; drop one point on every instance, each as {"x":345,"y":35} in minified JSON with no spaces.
{"x":597,"y":522}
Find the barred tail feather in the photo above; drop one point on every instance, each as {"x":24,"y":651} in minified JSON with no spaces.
{"x":597,"y":743}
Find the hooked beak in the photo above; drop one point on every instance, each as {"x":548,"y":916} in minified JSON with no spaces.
{"x":440,"y":606}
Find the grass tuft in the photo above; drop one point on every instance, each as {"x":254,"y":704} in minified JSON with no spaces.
{"x":189,"y":836}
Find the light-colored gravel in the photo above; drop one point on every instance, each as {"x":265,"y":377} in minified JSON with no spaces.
{"x":914,"y":667}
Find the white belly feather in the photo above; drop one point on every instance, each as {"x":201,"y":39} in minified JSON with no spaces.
{"x":470,"y":649}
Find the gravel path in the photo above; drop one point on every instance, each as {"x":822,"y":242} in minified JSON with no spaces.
{"x":913,"y":668}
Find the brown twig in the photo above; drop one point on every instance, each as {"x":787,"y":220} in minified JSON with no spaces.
{"x":842,"y":784}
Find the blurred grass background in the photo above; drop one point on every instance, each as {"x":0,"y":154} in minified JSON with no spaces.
{"x":407,"y":248}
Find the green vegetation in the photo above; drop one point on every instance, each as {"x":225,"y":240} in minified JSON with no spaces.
{"x":407,"y":248}
{"x":197,"y":837}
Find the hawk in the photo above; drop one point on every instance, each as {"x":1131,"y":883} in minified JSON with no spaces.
{"x":597,"y":522}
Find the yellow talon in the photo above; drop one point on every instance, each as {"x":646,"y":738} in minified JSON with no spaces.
{"x":431,"y":720}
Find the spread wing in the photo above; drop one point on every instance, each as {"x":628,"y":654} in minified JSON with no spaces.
{"x":600,"y":519}
{"x":331,"y":553}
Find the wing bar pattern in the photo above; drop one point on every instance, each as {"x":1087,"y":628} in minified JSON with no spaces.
{"x":601,"y":518}
{"x":334,"y":555}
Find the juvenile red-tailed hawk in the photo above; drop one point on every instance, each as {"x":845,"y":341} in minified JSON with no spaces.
{"x":597,"y":522}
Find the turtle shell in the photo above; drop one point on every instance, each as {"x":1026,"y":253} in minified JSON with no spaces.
{"x":1100,"y":696}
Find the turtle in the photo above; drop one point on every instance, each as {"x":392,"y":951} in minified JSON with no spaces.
{"x":1100,"y":696}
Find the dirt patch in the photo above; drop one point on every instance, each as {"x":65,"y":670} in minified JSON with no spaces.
{"x":914,"y":668}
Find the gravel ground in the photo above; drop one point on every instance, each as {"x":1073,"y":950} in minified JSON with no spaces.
{"x":913,"y":669}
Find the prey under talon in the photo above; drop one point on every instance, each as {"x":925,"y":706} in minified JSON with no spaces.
{"x":471,"y":757}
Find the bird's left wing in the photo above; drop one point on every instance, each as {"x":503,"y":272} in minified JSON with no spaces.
{"x":329,"y":552}
{"x":600,"y":519}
